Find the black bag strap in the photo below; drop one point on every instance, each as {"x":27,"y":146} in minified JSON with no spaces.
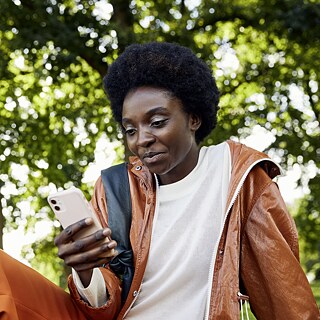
{"x":116,"y":186}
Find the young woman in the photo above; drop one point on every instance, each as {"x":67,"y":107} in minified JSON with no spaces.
{"x":209,"y":227}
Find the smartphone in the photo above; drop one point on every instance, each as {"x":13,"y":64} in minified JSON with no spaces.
{"x":70,"y":206}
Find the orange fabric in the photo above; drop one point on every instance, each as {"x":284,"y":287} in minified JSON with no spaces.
{"x":25,"y":294}
{"x":113,"y":305}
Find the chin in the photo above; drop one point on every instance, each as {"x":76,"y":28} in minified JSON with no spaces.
{"x":157,"y":169}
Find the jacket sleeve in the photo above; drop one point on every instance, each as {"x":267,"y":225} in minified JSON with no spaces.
{"x":270,"y":268}
{"x":113,"y":286}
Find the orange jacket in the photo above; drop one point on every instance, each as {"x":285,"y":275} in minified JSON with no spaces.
{"x":257,"y":255}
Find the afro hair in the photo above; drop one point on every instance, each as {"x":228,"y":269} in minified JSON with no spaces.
{"x":167,"y":66}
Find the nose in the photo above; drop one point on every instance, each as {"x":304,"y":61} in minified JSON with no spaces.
{"x":145,"y":138}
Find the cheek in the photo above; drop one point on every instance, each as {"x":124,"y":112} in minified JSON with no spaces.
{"x":131,"y":145}
{"x":177,"y":144}
{"x":182,"y":144}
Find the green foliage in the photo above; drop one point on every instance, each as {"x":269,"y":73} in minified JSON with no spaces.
{"x":308,"y":223}
{"x":53,"y":54}
{"x":316,"y":291}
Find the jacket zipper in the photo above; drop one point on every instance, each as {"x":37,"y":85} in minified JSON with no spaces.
{"x":212,"y":264}
{"x":133,"y":301}
{"x":155,"y":217}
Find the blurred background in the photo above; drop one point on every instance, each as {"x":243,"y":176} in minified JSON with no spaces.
{"x":56,"y":128}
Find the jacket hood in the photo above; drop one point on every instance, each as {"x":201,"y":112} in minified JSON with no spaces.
{"x":243,"y":157}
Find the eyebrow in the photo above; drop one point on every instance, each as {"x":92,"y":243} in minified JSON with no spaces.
{"x":149,"y":113}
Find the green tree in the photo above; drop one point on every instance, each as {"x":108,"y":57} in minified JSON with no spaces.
{"x":54,"y":53}
{"x":308,"y":223}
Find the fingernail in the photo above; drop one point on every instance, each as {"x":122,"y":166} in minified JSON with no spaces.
{"x":112,"y":244}
{"x":105,"y":232}
{"x":88,"y":220}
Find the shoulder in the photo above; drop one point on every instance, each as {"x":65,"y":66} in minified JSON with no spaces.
{"x":244,"y":158}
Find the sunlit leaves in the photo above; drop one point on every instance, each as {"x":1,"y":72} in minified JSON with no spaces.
{"x":53,"y":54}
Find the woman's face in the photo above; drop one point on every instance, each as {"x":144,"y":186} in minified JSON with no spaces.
{"x":160,"y":133}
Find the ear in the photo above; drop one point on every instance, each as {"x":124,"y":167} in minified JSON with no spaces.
{"x":194,"y":122}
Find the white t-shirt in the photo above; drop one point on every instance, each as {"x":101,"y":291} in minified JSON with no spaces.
{"x":188,"y":221}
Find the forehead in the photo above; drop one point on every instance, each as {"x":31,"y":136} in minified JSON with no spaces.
{"x":144,"y":100}
{"x":148,"y":92}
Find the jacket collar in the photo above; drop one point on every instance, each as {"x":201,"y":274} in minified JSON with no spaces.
{"x":242,"y":159}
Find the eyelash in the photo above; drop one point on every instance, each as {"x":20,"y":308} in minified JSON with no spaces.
{"x":129,"y":132}
{"x":159,"y":123}
{"x":155,"y":124}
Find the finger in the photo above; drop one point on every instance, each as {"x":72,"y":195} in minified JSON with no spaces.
{"x":93,"y":240}
{"x":82,"y":245}
{"x":66,"y":235}
{"x":93,"y":257}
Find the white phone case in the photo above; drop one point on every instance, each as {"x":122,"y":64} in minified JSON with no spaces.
{"x":70,"y":206}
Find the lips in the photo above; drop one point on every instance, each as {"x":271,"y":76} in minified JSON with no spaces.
{"x":152,"y":157}
{"x":150,"y":154}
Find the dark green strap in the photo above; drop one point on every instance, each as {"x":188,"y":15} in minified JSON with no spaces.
{"x":116,"y":186}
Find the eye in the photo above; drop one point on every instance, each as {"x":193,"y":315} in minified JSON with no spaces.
{"x":129,"y":131}
{"x":159,"y":123}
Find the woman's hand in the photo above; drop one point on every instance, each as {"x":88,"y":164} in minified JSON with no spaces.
{"x":85,"y":253}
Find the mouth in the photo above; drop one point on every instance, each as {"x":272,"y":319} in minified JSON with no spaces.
{"x":149,"y":155}
{"x":152,"y":157}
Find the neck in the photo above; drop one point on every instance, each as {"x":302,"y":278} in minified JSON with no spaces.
{"x":176,"y":174}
